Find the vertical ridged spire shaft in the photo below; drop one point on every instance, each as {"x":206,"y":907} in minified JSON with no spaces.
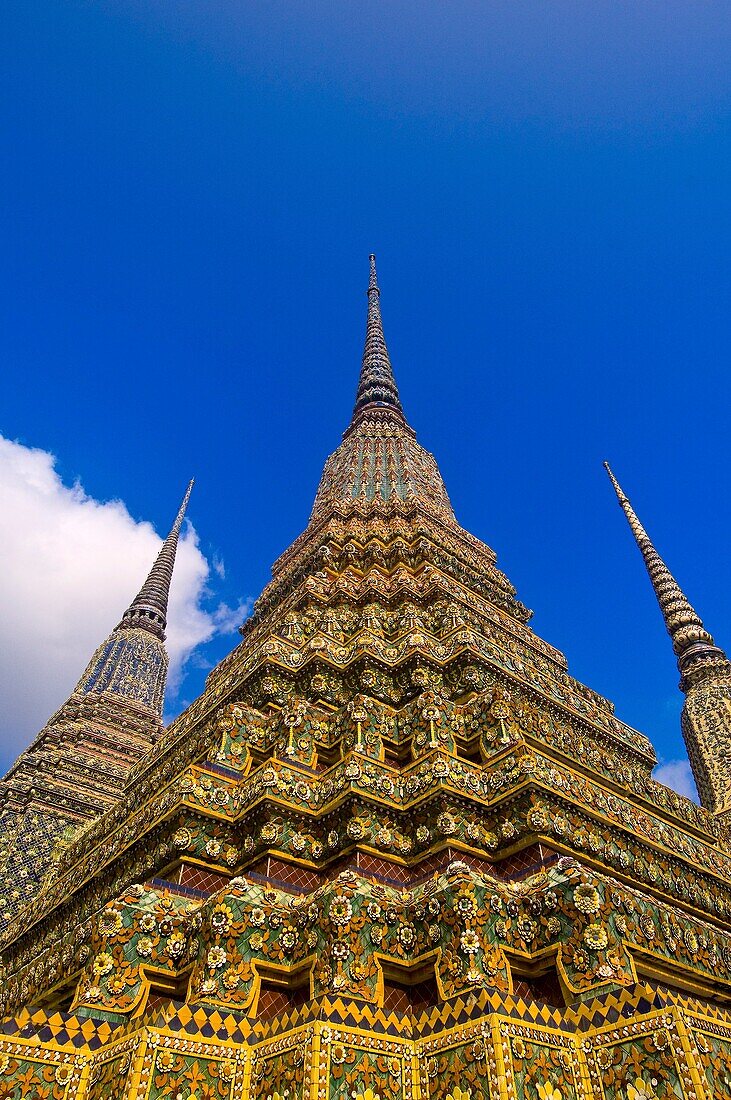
{"x":149,"y":608}
{"x":376,"y":385}
{"x":693,"y":645}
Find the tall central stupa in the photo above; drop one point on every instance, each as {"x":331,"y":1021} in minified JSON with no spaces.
{"x":395,"y":851}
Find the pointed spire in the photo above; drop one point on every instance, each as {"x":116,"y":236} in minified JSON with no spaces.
{"x":149,"y":608}
{"x":693,"y":645}
{"x":377,"y":385}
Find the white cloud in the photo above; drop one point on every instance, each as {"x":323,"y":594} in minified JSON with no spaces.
{"x":677,"y":774}
{"x":69,"y":566}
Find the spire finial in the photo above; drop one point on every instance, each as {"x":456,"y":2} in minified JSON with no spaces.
{"x":149,"y":608}
{"x":693,"y":645}
{"x":373,"y":281}
{"x":376,"y":385}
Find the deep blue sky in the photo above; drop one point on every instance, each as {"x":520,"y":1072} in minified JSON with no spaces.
{"x":191,"y":191}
